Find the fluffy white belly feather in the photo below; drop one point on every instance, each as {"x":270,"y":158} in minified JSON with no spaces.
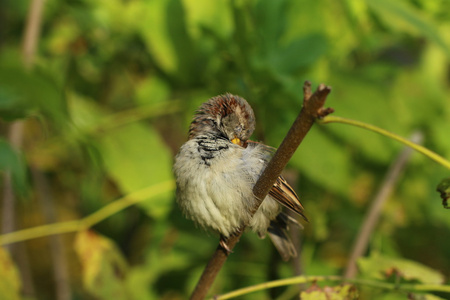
{"x":218,"y":194}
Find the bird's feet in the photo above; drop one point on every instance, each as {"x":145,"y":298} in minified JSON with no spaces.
{"x":224,"y":245}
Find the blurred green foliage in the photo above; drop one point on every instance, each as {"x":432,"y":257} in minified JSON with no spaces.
{"x":113,"y":88}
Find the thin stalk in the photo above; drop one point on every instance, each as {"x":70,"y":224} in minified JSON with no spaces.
{"x":32,"y":32}
{"x":127,"y":201}
{"x":275,"y":283}
{"x":434,"y":156}
{"x":365,"y":282}
{"x":89,"y":221}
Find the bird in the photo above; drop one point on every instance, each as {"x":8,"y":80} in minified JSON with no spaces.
{"x":216,"y":169}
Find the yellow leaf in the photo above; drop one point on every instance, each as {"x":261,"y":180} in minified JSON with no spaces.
{"x":9,"y":283}
{"x":340,"y":292}
{"x":103,"y":267}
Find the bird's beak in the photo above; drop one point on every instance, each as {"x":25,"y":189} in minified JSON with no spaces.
{"x":237,"y":141}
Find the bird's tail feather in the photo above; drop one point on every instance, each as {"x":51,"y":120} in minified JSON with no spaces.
{"x":278,"y":233}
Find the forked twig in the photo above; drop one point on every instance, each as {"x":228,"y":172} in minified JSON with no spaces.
{"x":312,"y":109}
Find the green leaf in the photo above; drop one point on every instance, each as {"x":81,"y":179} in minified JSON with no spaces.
{"x":428,"y":297}
{"x":340,"y":292}
{"x":10,"y":284}
{"x":12,"y":161}
{"x":152,"y":90}
{"x":182,"y":42}
{"x":444,"y":189}
{"x":302,"y":52}
{"x":136,"y":157}
{"x":365,"y":100}
{"x":402,"y":15}
{"x":382,"y":267}
{"x":163,"y":266}
{"x":270,"y":21}
{"x":104,"y":269}
{"x":324,"y":161}
{"x":397,"y":295}
{"x":23,"y":93}
{"x":157,"y":35}
{"x":11,"y":104}
{"x":214,"y":16}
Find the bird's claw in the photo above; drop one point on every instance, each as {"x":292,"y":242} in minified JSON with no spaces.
{"x":224,"y":245}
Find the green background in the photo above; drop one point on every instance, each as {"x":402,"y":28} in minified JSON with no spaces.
{"x":107,"y":102}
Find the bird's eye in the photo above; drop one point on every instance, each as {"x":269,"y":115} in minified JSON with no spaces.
{"x":215,"y":123}
{"x":238,"y":129}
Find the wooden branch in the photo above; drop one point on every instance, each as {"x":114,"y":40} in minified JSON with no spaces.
{"x":57,"y":247}
{"x":312,"y":109}
{"x":32,"y":32}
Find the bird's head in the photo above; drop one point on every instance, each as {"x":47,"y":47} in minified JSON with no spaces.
{"x":227,"y":116}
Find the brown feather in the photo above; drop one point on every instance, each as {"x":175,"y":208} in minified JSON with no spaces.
{"x":285,"y":195}
{"x":281,"y":190}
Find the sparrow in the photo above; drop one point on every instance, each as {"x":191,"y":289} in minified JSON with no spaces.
{"x":217,"y":168}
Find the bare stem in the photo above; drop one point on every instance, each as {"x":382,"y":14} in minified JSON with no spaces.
{"x":30,"y":40}
{"x":32,"y":32}
{"x":374,"y":211}
{"x":15,"y":133}
{"x":311,"y":110}
{"x":57,"y":249}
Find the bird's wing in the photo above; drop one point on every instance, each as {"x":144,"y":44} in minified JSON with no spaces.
{"x":281,"y":190}
{"x":285,"y":195}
